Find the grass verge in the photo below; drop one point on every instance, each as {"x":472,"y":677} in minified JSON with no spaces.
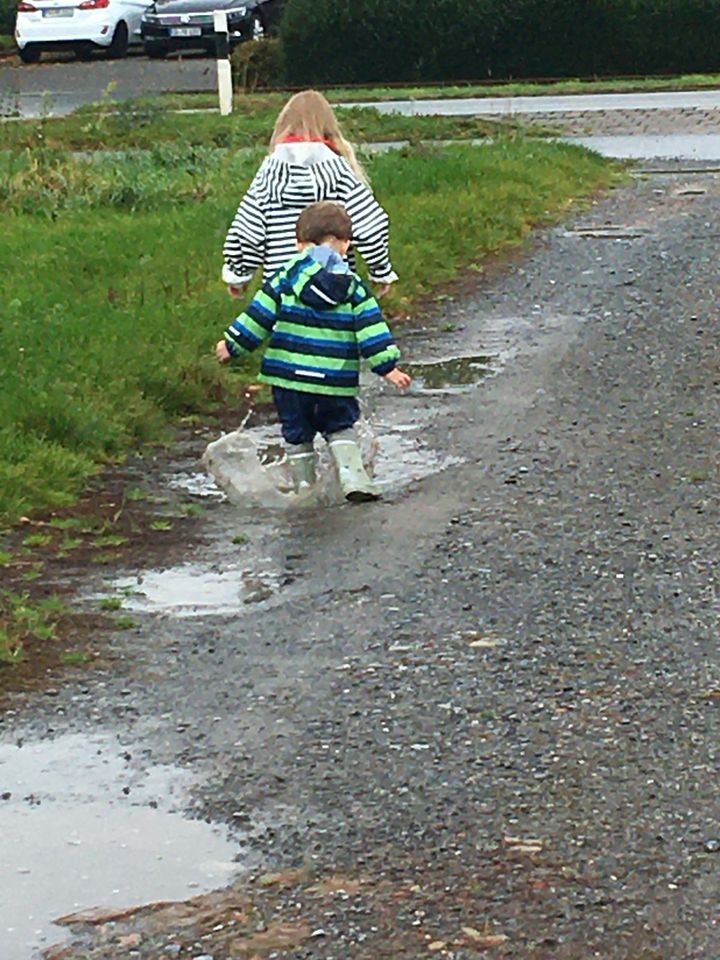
{"x":112,"y":302}
{"x":142,"y":124}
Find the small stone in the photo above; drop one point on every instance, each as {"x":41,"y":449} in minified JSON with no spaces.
{"x":712,"y":846}
{"x":484,"y":939}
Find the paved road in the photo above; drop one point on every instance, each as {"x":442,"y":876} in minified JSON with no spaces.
{"x":596,"y":102}
{"x":58,"y":88}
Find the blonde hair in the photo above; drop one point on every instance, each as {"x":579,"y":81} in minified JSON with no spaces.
{"x":310,"y":116}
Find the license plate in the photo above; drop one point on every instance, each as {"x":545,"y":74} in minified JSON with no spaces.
{"x":58,"y":12}
{"x":185,"y":31}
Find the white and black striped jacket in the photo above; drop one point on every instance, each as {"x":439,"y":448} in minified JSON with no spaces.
{"x":292,"y":177}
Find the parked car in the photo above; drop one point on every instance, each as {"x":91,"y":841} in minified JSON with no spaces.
{"x":80,"y":25}
{"x":188,"y":24}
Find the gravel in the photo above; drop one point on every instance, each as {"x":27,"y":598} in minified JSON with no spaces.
{"x":490,"y":704}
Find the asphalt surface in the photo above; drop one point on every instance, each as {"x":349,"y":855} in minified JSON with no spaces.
{"x":58,"y":88}
{"x":489,"y":703}
{"x":591,"y":102}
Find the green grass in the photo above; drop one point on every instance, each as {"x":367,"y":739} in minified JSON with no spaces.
{"x":111,"y":300}
{"x":111,"y":603}
{"x":143,"y":124}
{"x":23,"y":620}
{"x":148,"y":121}
{"x":74,"y":657}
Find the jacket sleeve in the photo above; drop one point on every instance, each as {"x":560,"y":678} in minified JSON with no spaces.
{"x":373,"y":334}
{"x":244,"y":249}
{"x":255,"y":324}
{"x":370,"y":231}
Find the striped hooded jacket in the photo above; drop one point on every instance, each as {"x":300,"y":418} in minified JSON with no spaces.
{"x":290,"y":179}
{"x":319,"y":324}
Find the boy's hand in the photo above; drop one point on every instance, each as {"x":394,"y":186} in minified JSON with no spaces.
{"x":398,"y":379}
{"x":381,"y":289}
{"x":221,"y":352}
{"x":236,"y":290}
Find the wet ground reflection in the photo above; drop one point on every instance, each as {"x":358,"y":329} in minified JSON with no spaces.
{"x":84,"y":822}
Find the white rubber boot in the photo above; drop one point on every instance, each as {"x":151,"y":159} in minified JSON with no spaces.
{"x":302,"y":465}
{"x":355,"y":484}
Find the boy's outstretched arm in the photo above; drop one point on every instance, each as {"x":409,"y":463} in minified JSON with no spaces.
{"x":252,"y":327}
{"x":375,"y":340}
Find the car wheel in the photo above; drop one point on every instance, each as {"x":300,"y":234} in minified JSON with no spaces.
{"x":30,"y":53}
{"x":155,"y":50}
{"x":119,"y":43}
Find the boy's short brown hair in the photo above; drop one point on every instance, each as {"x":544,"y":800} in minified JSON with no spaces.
{"x":322,"y":220}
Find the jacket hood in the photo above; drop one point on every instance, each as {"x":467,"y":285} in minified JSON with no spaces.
{"x":321,"y":279}
{"x":298,"y":174}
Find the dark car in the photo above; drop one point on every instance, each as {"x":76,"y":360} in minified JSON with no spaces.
{"x":188,"y":24}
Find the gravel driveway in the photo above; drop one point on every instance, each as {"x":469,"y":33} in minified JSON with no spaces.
{"x":481,"y":717}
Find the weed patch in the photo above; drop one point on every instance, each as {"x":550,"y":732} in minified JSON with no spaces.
{"x":23,"y":620}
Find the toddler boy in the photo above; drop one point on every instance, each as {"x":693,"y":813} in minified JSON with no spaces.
{"x":320,"y":320}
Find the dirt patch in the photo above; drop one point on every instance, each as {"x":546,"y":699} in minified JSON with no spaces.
{"x":126,"y":517}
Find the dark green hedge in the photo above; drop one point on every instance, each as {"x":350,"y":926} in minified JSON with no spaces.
{"x":8,"y":11}
{"x":359,"y":41}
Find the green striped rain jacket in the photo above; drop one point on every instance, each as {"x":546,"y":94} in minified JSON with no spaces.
{"x":319,"y":325}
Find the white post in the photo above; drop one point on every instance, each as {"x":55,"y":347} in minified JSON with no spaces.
{"x":222,"y":54}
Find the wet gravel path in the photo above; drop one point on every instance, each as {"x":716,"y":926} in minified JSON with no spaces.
{"x":491,"y":703}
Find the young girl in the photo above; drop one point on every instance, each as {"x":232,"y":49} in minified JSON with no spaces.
{"x":309,"y":160}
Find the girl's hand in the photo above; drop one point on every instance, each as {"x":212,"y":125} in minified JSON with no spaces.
{"x":221,"y":352}
{"x":381,"y":290}
{"x":398,"y":379}
{"x":236,"y":290}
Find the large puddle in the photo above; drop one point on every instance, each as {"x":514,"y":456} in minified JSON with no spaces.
{"x":258,"y":479}
{"x":83,"y":823}
{"x":250,"y":466}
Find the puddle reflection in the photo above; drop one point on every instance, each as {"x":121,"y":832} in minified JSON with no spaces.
{"x":451,"y":375}
{"x":82,"y":825}
{"x":195,"y":591}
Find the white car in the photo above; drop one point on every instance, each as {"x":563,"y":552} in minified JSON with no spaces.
{"x":79,"y":25}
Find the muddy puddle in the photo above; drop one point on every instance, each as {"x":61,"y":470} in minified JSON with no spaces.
{"x":260,"y":481}
{"x":197,"y":484}
{"x":249,"y":466}
{"x":85,"y":823}
{"x":196,"y":590}
{"x":450,"y":375}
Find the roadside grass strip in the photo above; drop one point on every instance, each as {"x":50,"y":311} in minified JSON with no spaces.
{"x":111,"y":299}
{"x":145,"y":124}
